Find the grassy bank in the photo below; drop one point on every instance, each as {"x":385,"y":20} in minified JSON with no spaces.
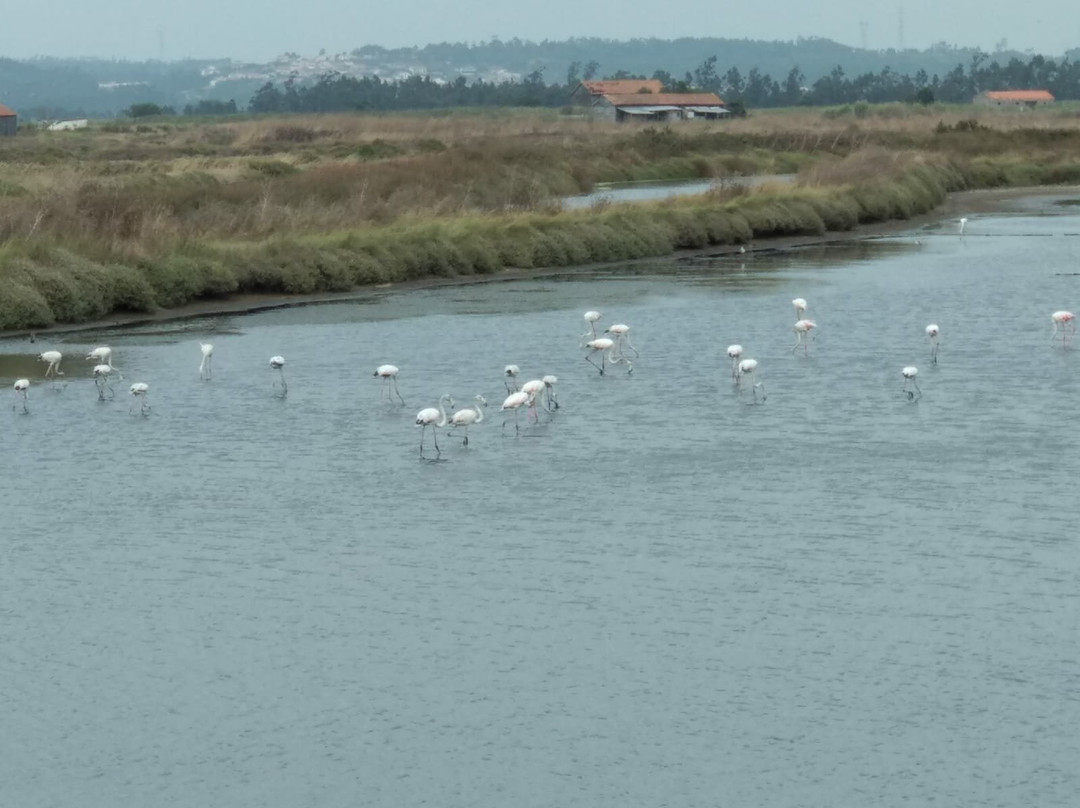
{"x":129,"y":221}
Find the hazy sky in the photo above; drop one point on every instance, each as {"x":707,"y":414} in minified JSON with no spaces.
{"x":261,"y":29}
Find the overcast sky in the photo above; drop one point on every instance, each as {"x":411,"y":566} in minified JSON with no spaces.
{"x":261,"y":29}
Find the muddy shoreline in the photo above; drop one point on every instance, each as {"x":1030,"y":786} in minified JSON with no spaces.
{"x":955,"y":205}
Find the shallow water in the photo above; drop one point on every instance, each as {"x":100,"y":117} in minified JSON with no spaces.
{"x":663,"y":595}
{"x":649,"y":191}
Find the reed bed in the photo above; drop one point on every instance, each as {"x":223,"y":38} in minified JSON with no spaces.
{"x":135,"y":218}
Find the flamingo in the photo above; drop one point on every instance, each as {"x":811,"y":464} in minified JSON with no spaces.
{"x":278,"y":363}
{"x":909,"y":373}
{"x":534,"y":389}
{"x":511,"y":372}
{"x":800,"y":307}
{"x":932,"y":335}
{"x":1065,"y":320}
{"x":551,"y":401}
{"x":206,"y":366}
{"x":591,"y":317}
{"x":388,"y":374}
{"x":748,"y":367}
{"x":101,"y":379}
{"x":21,"y":386}
{"x":621,"y":332}
{"x":435,"y":418}
{"x":514,"y":402}
{"x":466,"y":417}
{"x":139,"y":391}
{"x":963,"y":223}
{"x":53,"y":358}
{"x":600,"y":344}
{"x":734,"y":352}
{"x":802,"y":331}
{"x":103,"y":355}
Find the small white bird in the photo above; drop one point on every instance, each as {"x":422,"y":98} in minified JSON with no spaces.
{"x":800,"y":307}
{"x":748,"y":367}
{"x":388,"y":374}
{"x":932,"y":335}
{"x":591,"y":317}
{"x":1063,"y":320}
{"x":21,"y":387}
{"x":734,"y":352}
{"x":103,"y":355}
{"x":435,"y":418}
{"x":963,"y":224}
{"x":278,"y":363}
{"x":909,"y":373}
{"x":206,"y":366}
{"x":53,"y":358}
{"x":468,"y":416}
{"x":139,"y":390}
{"x":551,"y":401}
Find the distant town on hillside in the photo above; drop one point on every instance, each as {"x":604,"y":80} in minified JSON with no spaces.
{"x":810,"y":70}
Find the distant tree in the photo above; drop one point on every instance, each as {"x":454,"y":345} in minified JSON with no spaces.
{"x":211,"y":107}
{"x":572,"y":74}
{"x":924,"y":96}
{"x":705,"y":76}
{"x":733,"y":82}
{"x":591,"y":69}
{"x":147,"y":109}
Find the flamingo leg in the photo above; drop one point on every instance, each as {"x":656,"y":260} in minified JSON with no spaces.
{"x":395,"y":389}
{"x":423,"y":429}
{"x":599,"y":367}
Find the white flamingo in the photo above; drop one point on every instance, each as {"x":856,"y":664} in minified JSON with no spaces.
{"x":139,"y":390}
{"x":468,"y":416}
{"x":748,"y":367}
{"x":734,"y":353}
{"x":909,"y":373}
{"x":510,"y":372}
{"x":932,"y":332}
{"x":103,"y":355}
{"x":963,"y":224}
{"x":435,"y":418}
{"x":101,"y":380}
{"x":388,"y":374}
{"x":606,"y":348}
{"x":591,"y":318}
{"x":534,"y":389}
{"x":21,"y":387}
{"x":800,"y":307}
{"x":53,"y":358}
{"x":515,"y":401}
{"x":802,"y":332}
{"x":551,"y":401}
{"x":1063,"y":320}
{"x":206,"y":366}
{"x":278,"y":363}
{"x":621,"y":333}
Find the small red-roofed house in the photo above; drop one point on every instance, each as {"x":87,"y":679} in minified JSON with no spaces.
{"x":1014,"y":98}
{"x":9,"y":121}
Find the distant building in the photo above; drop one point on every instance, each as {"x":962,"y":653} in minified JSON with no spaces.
{"x":9,"y":121}
{"x":1014,"y":98}
{"x":588,"y":92}
{"x":659,"y":107}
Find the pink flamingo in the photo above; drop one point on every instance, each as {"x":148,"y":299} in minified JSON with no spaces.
{"x":1066,"y":321}
{"x":734,"y":352}
{"x":932,"y":335}
{"x":802,"y":332}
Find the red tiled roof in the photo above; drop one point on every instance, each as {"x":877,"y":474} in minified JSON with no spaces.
{"x":6,"y":112}
{"x":663,"y":99}
{"x":1019,"y":95}
{"x":624,"y":86}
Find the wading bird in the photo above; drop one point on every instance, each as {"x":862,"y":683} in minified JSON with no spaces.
{"x":435,"y":418}
{"x":139,"y":391}
{"x":748,"y":367}
{"x":466,"y":417}
{"x":101,"y":381}
{"x":1065,"y":321}
{"x":388,"y":374}
{"x":206,"y":366}
{"x":510,"y":374}
{"x":932,"y":335}
{"x":591,"y":317}
{"x":278,"y":363}
{"x":963,"y":224}
{"x":734,"y":352}
{"x":802,"y":333}
{"x":534,"y":389}
{"x":53,"y":358}
{"x":621,"y":333}
{"x":800,"y":307}
{"x":21,"y":388}
{"x":551,"y":401}
{"x":514,"y":402}
{"x":103,"y":355}
{"x":909,"y":373}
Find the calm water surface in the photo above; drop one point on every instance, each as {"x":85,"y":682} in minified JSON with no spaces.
{"x":663,"y":596}
{"x":648,"y":190}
